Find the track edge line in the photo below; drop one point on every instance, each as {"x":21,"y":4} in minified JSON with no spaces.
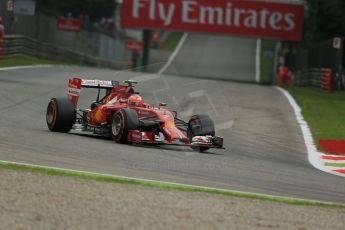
{"x":173,"y":55}
{"x":314,"y":156}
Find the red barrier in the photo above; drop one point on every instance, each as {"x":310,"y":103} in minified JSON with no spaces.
{"x":327,"y":81}
{"x":333,"y":146}
{"x":134,"y":45}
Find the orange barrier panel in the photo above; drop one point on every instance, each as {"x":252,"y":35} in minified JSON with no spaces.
{"x":327,"y":81}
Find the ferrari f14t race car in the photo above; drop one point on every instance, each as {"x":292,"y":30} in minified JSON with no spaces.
{"x":123,"y":115}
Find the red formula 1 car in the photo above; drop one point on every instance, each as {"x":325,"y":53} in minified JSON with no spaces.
{"x":127,"y":118}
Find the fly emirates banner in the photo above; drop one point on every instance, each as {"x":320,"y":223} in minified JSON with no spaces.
{"x":236,"y":17}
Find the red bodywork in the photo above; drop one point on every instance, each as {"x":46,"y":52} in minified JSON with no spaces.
{"x":116,"y":99}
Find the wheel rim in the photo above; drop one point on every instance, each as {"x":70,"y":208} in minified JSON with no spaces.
{"x":50,"y":114}
{"x":194,"y":126}
{"x":116,"y":125}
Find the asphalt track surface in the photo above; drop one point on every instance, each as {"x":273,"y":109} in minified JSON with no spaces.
{"x":205,"y":56}
{"x":265,"y":152}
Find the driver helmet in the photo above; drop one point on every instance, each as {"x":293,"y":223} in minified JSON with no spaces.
{"x":135,"y":100}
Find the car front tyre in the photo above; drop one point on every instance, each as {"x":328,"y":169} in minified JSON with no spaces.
{"x":122,"y":122}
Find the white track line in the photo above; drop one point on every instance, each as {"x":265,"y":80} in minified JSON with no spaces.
{"x":174,"y":54}
{"x":25,"y":67}
{"x":314,"y":156}
{"x":150,"y":77}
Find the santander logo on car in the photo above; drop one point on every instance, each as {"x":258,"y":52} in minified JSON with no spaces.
{"x":243,"y":18}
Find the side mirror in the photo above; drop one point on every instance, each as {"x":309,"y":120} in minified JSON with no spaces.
{"x":161,"y":104}
{"x":174,"y":114}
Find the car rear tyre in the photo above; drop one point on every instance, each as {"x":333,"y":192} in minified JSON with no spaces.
{"x":200,"y":125}
{"x":123,"y":121}
{"x":60,"y":115}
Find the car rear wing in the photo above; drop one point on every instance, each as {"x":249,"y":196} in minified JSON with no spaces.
{"x":98,"y":84}
{"x":75,"y":85}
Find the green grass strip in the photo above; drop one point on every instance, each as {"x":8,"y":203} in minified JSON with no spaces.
{"x":25,"y":60}
{"x":172,"y":41}
{"x":162,"y":185}
{"x":267,"y":61}
{"x":324,"y":112}
{"x":341,"y":165}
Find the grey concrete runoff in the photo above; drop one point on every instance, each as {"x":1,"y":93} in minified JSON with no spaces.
{"x":264,"y":152}
{"x":37,"y":201}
